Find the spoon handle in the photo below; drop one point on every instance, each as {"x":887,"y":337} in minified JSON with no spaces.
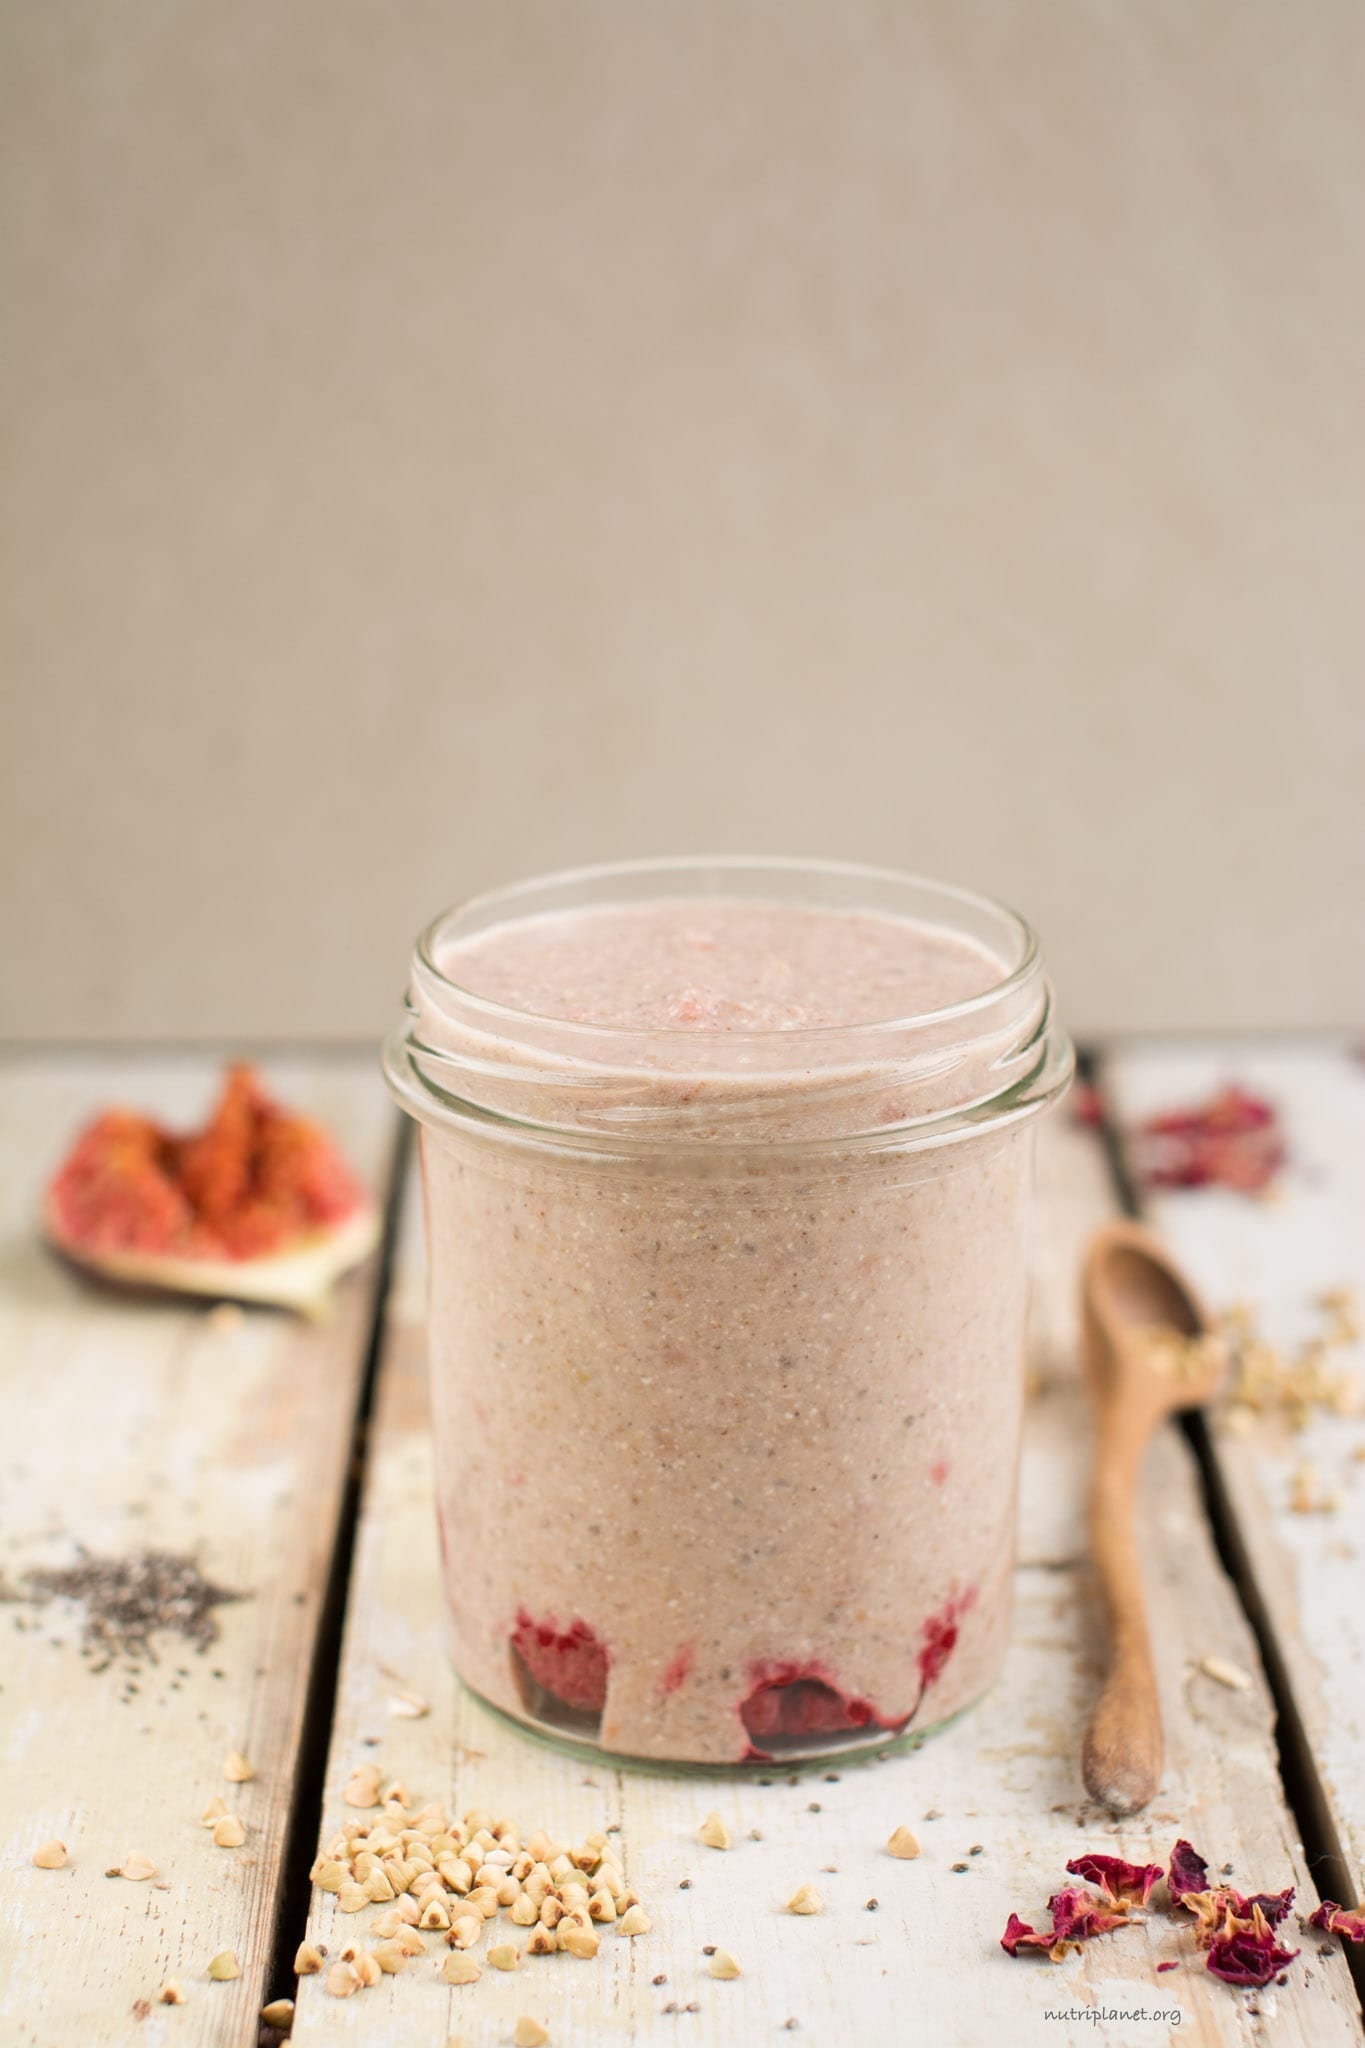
{"x":1121,"y":1755}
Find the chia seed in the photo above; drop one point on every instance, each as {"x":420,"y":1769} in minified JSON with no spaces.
{"x":127,"y":1600}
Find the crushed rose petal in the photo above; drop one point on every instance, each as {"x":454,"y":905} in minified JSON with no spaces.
{"x":1234,"y":1140}
{"x":1076,"y":1916}
{"x":1127,"y":1884}
{"x":1246,"y":1951}
{"x":1237,"y":1930}
{"x":1213,"y":1908}
{"x":1188,"y":1871}
{"x":1336,"y":1919}
{"x":1018,"y":1934}
{"x":1087,"y":1106}
{"x":1275,"y":1905}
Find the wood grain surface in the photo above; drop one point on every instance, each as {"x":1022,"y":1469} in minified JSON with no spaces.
{"x":132,"y":1425}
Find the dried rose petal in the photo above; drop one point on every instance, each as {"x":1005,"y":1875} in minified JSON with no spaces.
{"x":1210,"y":1910}
{"x":1347,"y":1921}
{"x":1127,"y":1884}
{"x":1274,"y":1905}
{"x":1234,"y":1141}
{"x":1076,"y":1915}
{"x":1188,"y":1871}
{"x":1249,"y":1953}
{"x":1018,"y":1934}
{"x":1087,"y":1106}
{"x":1166,"y":1966}
{"x":1213,"y":1908}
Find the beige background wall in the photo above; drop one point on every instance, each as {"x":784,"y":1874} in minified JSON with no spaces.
{"x":449,"y":439}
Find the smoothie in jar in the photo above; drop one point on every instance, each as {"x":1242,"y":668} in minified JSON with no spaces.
{"x":727,"y":1170}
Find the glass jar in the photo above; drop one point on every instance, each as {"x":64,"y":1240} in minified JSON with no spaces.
{"x":726,"y":1328}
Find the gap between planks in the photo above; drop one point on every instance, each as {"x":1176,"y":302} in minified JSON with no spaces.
{"x":315,"y":1734}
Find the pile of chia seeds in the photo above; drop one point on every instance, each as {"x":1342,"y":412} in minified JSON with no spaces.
{"x":128,"y":1600}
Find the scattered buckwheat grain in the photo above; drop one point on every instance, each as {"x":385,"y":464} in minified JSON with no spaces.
{"x":1226,"y":1673}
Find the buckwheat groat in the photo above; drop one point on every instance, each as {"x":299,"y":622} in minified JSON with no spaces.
{"x":727,"y":1204}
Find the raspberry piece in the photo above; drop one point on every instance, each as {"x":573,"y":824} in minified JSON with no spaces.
{"x":939,"y":1636}
{"x":570,"y":1663}
{"x":678,"y":1670}
{"x":794,"y":1700}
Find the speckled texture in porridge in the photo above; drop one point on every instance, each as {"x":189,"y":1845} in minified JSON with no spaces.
{"x":737,"y":1424}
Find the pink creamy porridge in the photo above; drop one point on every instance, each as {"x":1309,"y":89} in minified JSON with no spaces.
{"x":736,"y":1409}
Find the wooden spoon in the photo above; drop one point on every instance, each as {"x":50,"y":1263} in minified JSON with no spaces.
{"x":1138,"y":1315}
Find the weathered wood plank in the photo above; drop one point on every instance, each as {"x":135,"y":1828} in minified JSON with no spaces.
{"x":926,"y":1964}
{"x":1279,"y":1257}
{"x":130,"y":1426}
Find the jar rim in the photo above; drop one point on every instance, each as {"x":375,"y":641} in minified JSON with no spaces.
{"x":514,"y":1063}
{"x":566,"y":879}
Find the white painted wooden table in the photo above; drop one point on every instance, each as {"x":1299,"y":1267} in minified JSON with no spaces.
{"x":127,"y":1426}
